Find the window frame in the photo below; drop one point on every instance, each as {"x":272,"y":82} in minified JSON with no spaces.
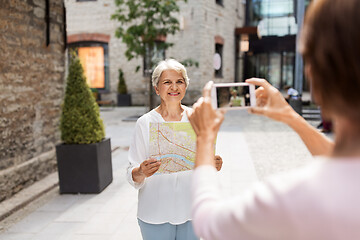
{"x":219,"y":48}
{"x":219,"y":2}
{"x":105,"y":46}
{"x":146,"y":70}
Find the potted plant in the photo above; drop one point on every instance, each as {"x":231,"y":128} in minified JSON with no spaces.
{"x":124,"y":99}
{"x":84,"y":157}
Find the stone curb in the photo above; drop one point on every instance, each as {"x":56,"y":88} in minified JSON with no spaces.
{"x":28,"y":195}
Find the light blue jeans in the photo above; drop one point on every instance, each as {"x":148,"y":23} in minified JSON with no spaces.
{"x":167,"y":231}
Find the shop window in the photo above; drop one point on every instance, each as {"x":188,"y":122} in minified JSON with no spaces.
{"x":220,"y":2}
{"x":288,"y":68}
{"x":276,"y":67}
{"x":218,"y":60}
{"x":272,"y":17}
{"x":94,"y":59}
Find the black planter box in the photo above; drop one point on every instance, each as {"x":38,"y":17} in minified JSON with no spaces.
{"x":296,"y":104}
{"x":84,"y":168}
{"x":124,"y":99}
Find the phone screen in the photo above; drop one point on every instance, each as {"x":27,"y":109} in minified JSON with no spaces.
{"x":233,"y":96}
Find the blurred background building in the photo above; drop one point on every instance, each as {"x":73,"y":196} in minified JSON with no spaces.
{"x":268,"y":42}
{"x":206,"y":35}
{"x":230,"y":39}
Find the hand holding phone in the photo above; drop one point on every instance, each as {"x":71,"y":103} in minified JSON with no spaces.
{"x":233,"y":95}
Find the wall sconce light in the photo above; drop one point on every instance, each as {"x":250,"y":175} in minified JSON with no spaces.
{"x":244,"y":43}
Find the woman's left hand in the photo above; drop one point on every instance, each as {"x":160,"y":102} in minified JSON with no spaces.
{"x":218,"y":162}
{"x":204,"y":119}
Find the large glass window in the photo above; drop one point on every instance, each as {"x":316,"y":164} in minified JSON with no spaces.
{"x":277,"y":68}
{"x":274,"y":72}
{"x":288,"y":63}
{"x":153,"y":56}
{"x":94,"y":59}
{"x":273,"y":17}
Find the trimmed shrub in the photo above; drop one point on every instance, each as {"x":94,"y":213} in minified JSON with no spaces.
{"x":80,"y":121}
{"x":122,"y":89}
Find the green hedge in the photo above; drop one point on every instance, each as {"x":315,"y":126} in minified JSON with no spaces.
{"x":80,"y":120}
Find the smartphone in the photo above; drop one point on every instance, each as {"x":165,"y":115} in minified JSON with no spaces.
{"x":233,"y":95}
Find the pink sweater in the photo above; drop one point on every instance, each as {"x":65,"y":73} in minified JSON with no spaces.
{"x":318,"y":202}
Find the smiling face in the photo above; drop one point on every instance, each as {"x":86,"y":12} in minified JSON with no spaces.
{"x":171,"y":86}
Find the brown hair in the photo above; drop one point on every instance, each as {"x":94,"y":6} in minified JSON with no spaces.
{"x":330,"y":44}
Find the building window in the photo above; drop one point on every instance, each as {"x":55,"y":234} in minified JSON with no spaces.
{"x":94,"y":59}
{"x":273,"y":17}
{"x":276,"y":67}
{"x":220,"y":2}
{"x":218,"y":62}
{"x":153,"y":56}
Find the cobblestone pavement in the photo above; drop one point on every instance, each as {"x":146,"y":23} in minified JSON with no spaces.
{"x":252,"y":147}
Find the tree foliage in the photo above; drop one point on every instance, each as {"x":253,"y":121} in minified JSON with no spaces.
{"x":80,"y":120}
{"x":189,"y":62}
{"x":142,"y":22}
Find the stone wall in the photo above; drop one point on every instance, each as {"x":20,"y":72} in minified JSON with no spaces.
{"x":32,"y":87}
{"x":203,"y":21}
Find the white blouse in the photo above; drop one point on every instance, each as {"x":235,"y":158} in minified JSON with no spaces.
{"x":319,"y":201}
{"x":165,"y":197}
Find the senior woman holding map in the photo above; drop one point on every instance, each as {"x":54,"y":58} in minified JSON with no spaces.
{"x":161,"y":159}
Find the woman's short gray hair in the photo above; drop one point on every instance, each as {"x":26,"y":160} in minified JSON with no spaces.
{"x":169,"y":64}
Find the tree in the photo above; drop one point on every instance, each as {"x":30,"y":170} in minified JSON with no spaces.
{"x":142,"y":24}
{"x":80,"y":121}
{"x":122,"y":89}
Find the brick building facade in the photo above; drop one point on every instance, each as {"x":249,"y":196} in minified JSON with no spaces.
{"x":207,"y":26}
{"x":32,"y":87}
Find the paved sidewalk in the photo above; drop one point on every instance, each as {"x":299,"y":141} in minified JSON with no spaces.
{"x":252,"y":147}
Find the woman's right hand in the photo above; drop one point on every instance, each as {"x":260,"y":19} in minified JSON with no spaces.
{"x":146,"y":169}
{"x":270,"y":102}
{"x":149,"y":167}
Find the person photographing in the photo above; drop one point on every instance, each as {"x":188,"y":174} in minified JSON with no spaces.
{"x":320,"y":200}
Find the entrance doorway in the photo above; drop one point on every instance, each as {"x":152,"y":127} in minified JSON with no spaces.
{"x":276,"y":67}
